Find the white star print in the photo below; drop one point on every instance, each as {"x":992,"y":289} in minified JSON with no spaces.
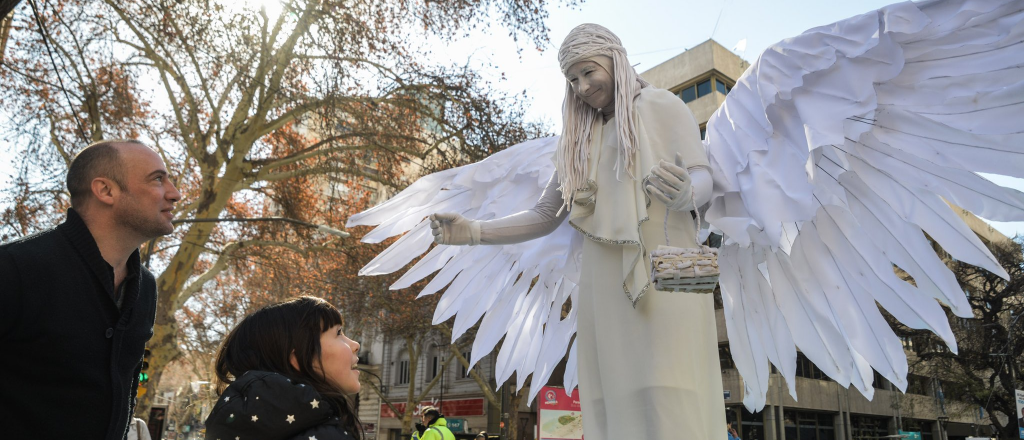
{"x":315,"y":405}
{"x":290,"y":419}
{"x":254,"y":418}
{"x":226,"y":399}
{"x":313,"y":437}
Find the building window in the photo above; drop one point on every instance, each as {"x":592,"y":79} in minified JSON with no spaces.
{"x":464,"y":372}
{"x":725,"y":357}
{"x":435,"y":367}
{"x":721,"y":87}
{"x":806,"y":368}
{"x":908,"y":343}
{"x":805,"y":425}
{"x":868,"y":426}
{"x":702,"y":88}
{"x":918,"y":385}
{"x":403,"y":373}
{"x":752,"y":425}
{"x":878,"y":381}
{"x":688,"y":94}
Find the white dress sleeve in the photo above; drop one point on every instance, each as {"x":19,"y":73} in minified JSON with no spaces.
{"x":527,"y":225}
{"x":700,"y":178}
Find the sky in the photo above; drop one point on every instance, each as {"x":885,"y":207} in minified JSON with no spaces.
{"x":652,"y":31}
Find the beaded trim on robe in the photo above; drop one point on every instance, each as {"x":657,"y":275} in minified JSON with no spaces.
{"x":639,"y":255}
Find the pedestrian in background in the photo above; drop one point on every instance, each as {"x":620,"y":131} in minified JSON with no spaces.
{"x":733,"y":435}
{"x":289,"y":371}
{"x":76,"y":304}
{"x":437,"y":426}
{"x":421,"y":426}
{"x":137,"y":430}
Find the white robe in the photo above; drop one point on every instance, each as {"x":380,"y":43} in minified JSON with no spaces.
{"x":649,"y":372}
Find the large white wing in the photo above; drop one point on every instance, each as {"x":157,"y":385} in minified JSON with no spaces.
{"x":832,"y":156}
{"x":495,"y":283}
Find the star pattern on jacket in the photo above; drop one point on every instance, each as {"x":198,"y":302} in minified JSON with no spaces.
{"x":283,"y":415}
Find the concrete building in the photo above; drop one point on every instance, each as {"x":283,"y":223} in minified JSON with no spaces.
{"x":701,"y":76}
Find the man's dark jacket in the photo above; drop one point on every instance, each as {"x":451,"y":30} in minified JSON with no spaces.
{"x":70,"y":359}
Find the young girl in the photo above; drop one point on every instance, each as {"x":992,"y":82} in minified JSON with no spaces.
{"x":289,"y":369}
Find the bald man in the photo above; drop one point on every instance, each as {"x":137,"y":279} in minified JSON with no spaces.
{"x":76,"y":304}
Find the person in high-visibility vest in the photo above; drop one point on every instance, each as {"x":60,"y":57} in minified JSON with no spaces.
{"x":419,"y":428}
{"x":437,"y":426}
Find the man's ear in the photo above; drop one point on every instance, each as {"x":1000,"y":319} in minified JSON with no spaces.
{"x":293,"y":360}
{"x":104,"y":190}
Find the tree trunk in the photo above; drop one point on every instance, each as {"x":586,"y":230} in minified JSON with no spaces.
{"x":513,"y":417}
{"x":162,"y":351}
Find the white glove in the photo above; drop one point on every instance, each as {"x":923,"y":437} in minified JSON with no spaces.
{"x":454,"y":229}
{"x":670,"y":183}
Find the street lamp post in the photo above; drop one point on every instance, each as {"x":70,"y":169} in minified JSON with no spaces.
{"x":442,"y":368}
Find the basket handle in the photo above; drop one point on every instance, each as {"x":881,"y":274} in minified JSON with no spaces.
{"x":696,"y":229}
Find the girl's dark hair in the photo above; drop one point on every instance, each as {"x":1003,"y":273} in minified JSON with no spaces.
{"x":265,"y":339}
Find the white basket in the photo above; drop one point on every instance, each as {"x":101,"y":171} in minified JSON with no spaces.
{"x":693,"y":270}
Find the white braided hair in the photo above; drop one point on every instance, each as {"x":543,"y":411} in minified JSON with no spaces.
{"x":584,"y":42}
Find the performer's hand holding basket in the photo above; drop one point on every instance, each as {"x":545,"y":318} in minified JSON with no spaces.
{"x":676,"y":269}
{"x":685,"y":269}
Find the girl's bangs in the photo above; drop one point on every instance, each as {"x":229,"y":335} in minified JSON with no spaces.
{"x":327,"y":316}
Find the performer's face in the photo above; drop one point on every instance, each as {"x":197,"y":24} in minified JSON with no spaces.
{"x":591,"y":83}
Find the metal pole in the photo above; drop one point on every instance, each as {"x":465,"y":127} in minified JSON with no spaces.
{"x":444,"y":369}
{"x":504,"y":411}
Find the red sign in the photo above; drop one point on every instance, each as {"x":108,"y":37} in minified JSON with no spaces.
{"x":555,"y":398}
{"x":450,"y":408}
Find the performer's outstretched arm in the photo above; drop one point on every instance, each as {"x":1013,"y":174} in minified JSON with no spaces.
{"x":541,"y":220}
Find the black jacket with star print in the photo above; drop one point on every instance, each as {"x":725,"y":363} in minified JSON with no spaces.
{"x":268,"y":406}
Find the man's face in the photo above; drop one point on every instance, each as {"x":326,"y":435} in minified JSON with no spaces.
{"x":145,"y":203}
{"x":591,"y":83}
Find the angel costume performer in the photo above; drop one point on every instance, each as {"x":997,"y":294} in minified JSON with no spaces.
{"x":825,"y":167}
{"x":656,"y":365}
